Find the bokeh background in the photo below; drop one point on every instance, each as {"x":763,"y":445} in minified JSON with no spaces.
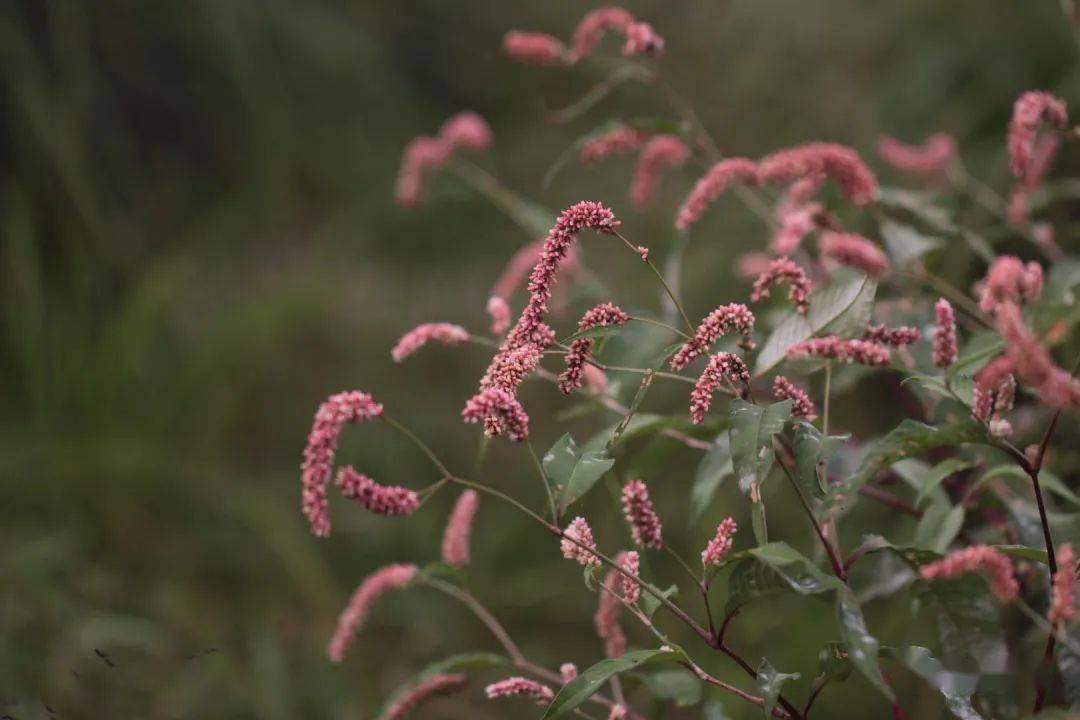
{"x":198,"y":244}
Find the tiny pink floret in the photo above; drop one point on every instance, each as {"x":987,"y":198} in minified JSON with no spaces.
{"x":444,"y":333}
{"x":638,"y":509}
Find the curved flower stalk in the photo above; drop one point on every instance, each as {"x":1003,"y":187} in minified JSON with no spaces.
{"x":455,"y":544}
{"x":784,"y":270}
{"x":430,"y":687}
{"x":442,"y":332}
{"x":841,"y":164}
{"x":603,"y":315}
{"x":336,"y":412}
{"x":712,"y":185}
{"x":660,"y":155}
{"x":731,"y":318}
{"x":978,"y":558}
{"x":854,"y":251}
{"x":629,"y":561}
{"x":356,"y":612}
{"x":932,"y":158}
{"x":722,"y":366}
{"x":640,"y":515}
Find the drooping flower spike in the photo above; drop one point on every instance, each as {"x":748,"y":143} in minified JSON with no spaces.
{"x":712,"y":186}
{"x":793,"y":223}
{"x":930,"y":158}
{"x":520,"y":687}
{"x":455,"y":544}
{"x":606,"y":619}
{"x":359,"y":607}
{"x":442,"y":332}
{"x":830,"y":347}
{"x":722,"y":366}
{"x":592,"y":27}
{"x":801,"y":404}
{"x":388,"y":500}
{"x":466,"y":130}
{"x":1019,"y":204}
{"x":734,"y":317}
{"x":842,"y":164}
{"x":603,"y":315}
{"x":337,"y":411}
{"x":1063,"y":591}
{"x":1009,"y":280}
{"x":784,"y":270}
{"x":1033,"y":364}
{"x":640,"y":515}
{"x":945,"y":347}
{"x":854,"y":251}
{"x":499,"y":311}
{"x":421,"y":157}
{"x":630,"y":561}
{"x":893,"y":337}
{"x":499,"y":411}
{"x":978,"y":558}
{"x":619,"y":140}
{"x":660,"y":155}
{"x":578,"y":530}
{"x":1030,"y":111}
{"x":533,"y":48}
{"x":720,"y":545}
{"x":429,"y":687}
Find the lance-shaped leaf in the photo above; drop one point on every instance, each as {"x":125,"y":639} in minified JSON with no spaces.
{"x":905,"y":244}
{"x":812,"y":450}
{"x":957,"y":688}
{"x":770,"y":681}
{"x":576,"y":471}
{"x":711,"y":472}
{"x":752,"y":454}
{"x":650,"y":603}
{"x":585,"y":685}
{"x":912,"y":438}
{"x":676,"y":684}
{"x":862,"y":647}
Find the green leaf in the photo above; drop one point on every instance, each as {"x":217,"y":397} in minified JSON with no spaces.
{"x":957,"y":688}
{"x":599,"y":331}
{"x":812,"y":449}
{"x":677,"y":684}
{"x":576,"y":471}
{"x":834,"y":663}
{"x":453,"y":663}
{"x":711,"y":472}
{"x":960,"y":388}
{"x":752,"y":428}
{"x":938,"y":527}
{"x":1024,"y":552}
{"x":774,"y":568}
{"x":585,"y":685}
{"x":862,"y":647}
{"x":981,"y":349}
{"x":1068,"y":663}
{"x":770,"y":682}
{"x":969,"y":628}
{"x":938,"y":474}
{"x":650,"y":604}
{"x":1047,"y":480}
{"x":905,"y":244}
{"x":842,"y":308}
{"x":912,"y":438}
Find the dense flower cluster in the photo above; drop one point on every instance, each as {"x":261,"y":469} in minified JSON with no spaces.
{"x":630,"y":561}
{"x":854,"y":251}
{"x":1010,"y":280}
{"x":499,"y":411}
{"x":841,"y":164}
{"x":644,"y":523}
{"x":445,"y":333}
{"x":731,"y":318}
{"x":532,"y":47}
{"x":830,"y":347}
{"x":578,"y":534}
{"x":520,"y":687}
{"x":380,"y":499}
{"x":429,"y":687}
{"x":722,"y":366}
{"x":801,"y":404}
{"x":977,"y":558}
{"x":893,"y":337}
{"x":424,"y":154}
{"x":1063,"y":590}
{"x":781,"y":270}
{"x":945,"y":347}
{"x":568,"y":671}
{"x":1033,"y":363}
{"x":720,"y":545}
{"x":1030,"y":110}
{"x":356,"y":612}
{"x":930,"y":158}
{"x":620,"y":139}
{"x":603,"y":315}
{"x":455,"y":544}
{"x":711,"y":186}
{"x":499,"y":310}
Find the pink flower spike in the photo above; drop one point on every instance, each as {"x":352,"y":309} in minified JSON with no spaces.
{"x":801,"y":404}
{"x":719,"y":546}
{"x":638,"y":509}
{"x":595,"y":379}
{"x":784,"y":270}
{"x":854,"y":251}
{"x":630,"y":561}
{"x":533,"y":48}
{"x":421,"y":157}
{"x":930,"y":158}
{"x":944,"y":334}
{"x":356,"y":612}
{"x":1009,"y":280}
{"x":603,"y":315}
{"x":606,"y":619}
{"x":567,"y":672}
{"x":722,"y":366}
{"x":429,"y":687}
{"x":619,"y":140}
{"x":830,"y":347}
{"x":337,"y":411}
{"x":643,"y":252}
{"x":500,"y":412}
{"x":893,"y":337}
{"x":499,"y":310}
{"x":842,"y":164}
{"x":793,"y":223}
{"x":660,"y":155}
{"x":977,"y":558}
{"x":712,"y":186}
{"x":391,"y":501}
{"x":455,"y":543}
{"x":734,"y":317}
{"x":520,"y":687}
{"x":578,"y":530}
{"x":592,"y":27}
{"x":445,"y":333}
{"x":466,"y":130}
{"x":752,"y":264}
{"x":642,"y":39}
{"x":1063,"y":593}
{"x":1032,"y":362}
{"x":618,"y":712}
{"x":1031,"y":109}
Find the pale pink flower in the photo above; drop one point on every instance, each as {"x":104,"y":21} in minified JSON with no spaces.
{"x":793,"y":223}
{"x":711,"y":186}
{"x":359,"y":607}
{"x":733,"y":317}
{"x":1063,"y":594}
{"x":944,"y":334}
{"x":750,"y":265}
{"x":842,"y":164}
{"x":722,"y":366}
{"x":643,"y":252}
{"x":642,"y":39}
{"x":455,"y":543}
{"x":466,"y":130}
{"x":521,"y":264}
{"x":1046,"y":151}
{"x":567,"y":671}
{"x":520,"y":687}
{"x":508,"y":369}
{"x":630,"y":561}
{"x":1033,"y":362}
{"x":595,"y":379}
{"x":1030,"y":110}
{"x":721,"y":543}
{"x":830,"y":347}
{"x":603,"y":315}
{"x":607,"y":616}
{"x":638,"y":509}
{"x":500,"y":412}
{"x":660,"y":154}
{"x":784,"y":270}
{"x":445,"y":333}
{"x":619,"y":140}
{"x":533,"y":48}
{"x":578,"y":530}
{"x":978,"y":558}
{"x":893,"y":337}
{"x":332,"y":415}
{"x":499,"y":310}
{"x":801,"y":404}
{"x":854,"y":251}
{"x":592,"y":27}
{"x":618,"y":712}
{"x":421,"y":157}
{"x":429,"y":687}
{"x":389,"y":500}
{"x":1009,"y":280}
{"x":930,"y":158}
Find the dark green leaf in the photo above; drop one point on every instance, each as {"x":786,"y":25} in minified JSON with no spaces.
{"x":770,"y":682}
{"x":650,"y":604}
{"x":937,"y":474}
{"x":862,"y":647}
{"x":905,"y":244}
{"x":957,"y":688}
{"x":912,"y":438}
{"x":978,"y":351}
{"x":711,"y":472}
{"x":938,"y":527}
{"x":600,"y":331}
{"x":834,"y":663}
{"x":574,"y":470}
{"x":811,"y":451}
{"x":1024,"y":553}
{"x":969,"y":628}
{"x":752,"y":428}
{"x":677,"y":684}
{"x":585,"y":685}
{"x":773,"y":568}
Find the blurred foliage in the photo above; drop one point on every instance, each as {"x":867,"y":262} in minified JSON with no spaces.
{"x":197,"y":245}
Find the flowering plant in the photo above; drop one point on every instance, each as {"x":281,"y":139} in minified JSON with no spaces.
{"x":971,"y":462}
